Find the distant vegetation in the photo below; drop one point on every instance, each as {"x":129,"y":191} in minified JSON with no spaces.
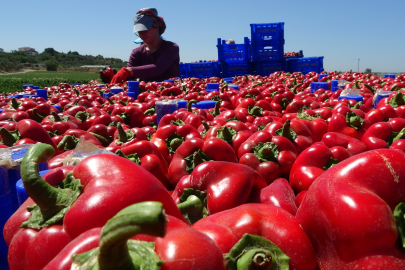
{"x":15,"y":60}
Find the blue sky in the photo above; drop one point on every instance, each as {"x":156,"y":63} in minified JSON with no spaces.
{"x":341,"y":31}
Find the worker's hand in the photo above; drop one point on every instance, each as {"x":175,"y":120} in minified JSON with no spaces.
{"x":106,"y":74}
{"x":121,"y":75}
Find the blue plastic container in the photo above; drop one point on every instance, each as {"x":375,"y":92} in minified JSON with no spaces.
{"x":334,"y":85}
{"x":212,"y":87}
{"x":380,"y":96}
{"x":76,"y":84}
{"x":233,"y":52}
{"x":1,"y":110}
{"x":203,"y":69}
{"x":322,"y":75}
{"x":183,"y":70}
{"x":57,"y":107}
{"x":42,"y":93}
{"x":305,"y":64}
{"x":357,"y":98}
{"x":206,"y":104}
{"x":22,"y":195}
{"x":233,"y":86}
{"x":164,"y":107}
{"x":35,"y":87}
{"x":182,"y":104}
{"x":233,"y":69}
{"x":318,"y":85}
{"x":101,"y":85}
{"x":106,"y":95}
{"x":172,"y":81}
{"x":116,"y":90}
{"x":228,"y":80}
{"x":29,"y":96}
{"x":27,"y":85}
{"x":14,"y":175}
{"x":392,"y":76}
{"x":133,"y":87}
{"x":265,"y":68}
{"x":5,"y":213}
{"x":266,"y":32}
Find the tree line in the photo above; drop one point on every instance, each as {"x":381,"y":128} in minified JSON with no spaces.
{"x":51,"y":58}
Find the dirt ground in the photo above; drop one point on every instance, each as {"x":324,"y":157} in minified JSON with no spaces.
{"x":19,"y":72}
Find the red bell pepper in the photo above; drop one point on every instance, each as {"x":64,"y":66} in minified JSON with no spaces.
{"x":13,"y":116}
{"x":151,"y":246}
{"x":233,"y":132}
{"x":294,"y":130}
{"x":354,"y":146}
{"x":196,"y":151}
{"x":336,"y":215}
{"x":25,"y":129}
{"x":81,"y":204}
{"x":132,"y":116}
{"x":72,"y":137}
{"x":383,"y":113}
{"x":312,"y":162}
{"x":350,"y":124}
{"x":384,"y":134}
{"x":170,"y":137}
{"x":278,"y":193}
{"x":260,"y":236}
{"x":271,"y":156}
{"x":124,"y":136}
{"x":147,"y":155}
{"x":211,"y":188}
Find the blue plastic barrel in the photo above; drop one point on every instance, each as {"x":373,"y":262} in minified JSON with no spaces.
{"x":133,"y":87}
{"x":380,"y":96}
{"x":14,"y":175}
{"x":334,"y":85}
{"x":318,"y":85}
{"x":164,"y":107}
{"x":57,"y":107}
{"x":357,"y":98}
{"x":182,"y":104}
{"x":22,"y":195}
{"x":206,"y":104}
{"x":212,"y":87}
{"x":116,"y":90}
{"x":42,"y":93}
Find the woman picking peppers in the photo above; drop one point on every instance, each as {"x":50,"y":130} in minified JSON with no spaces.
{"x":154,"y":60}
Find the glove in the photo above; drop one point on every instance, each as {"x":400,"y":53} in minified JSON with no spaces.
{"x":106,"y":74}
{"x":121,"y":75}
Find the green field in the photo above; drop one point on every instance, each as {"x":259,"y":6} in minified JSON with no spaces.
{"x":14,"y":82}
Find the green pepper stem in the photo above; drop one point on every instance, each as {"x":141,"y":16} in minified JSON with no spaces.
{"x":189,"y":105}
{"x":68,"y":142}
{"x":43,"y":194}
{"x":141,"y":218}
{"x":286,"y":130}
{"x":193,"y":206}
{"x":6,"y":137}
{"x":36,"y":115}
{"x":122,"y":135}
{"x":56,"y":117}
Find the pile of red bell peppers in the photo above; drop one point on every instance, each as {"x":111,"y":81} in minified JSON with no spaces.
{"x":273,"y":177}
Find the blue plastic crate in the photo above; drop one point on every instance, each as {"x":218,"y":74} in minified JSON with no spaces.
{"x":233,"y":69}
{"x":203,"y":70}
{"x":305,"y":65}
{"x":261,"y":51}
{"x":267,"y":32}
{"x":233,"y":52}
{"x":264,"y":68}
{"x":183,"y":70}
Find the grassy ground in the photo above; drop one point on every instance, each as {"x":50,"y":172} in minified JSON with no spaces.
{"x":14,"y":82}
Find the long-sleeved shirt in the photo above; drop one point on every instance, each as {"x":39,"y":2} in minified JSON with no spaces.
{"x":157,"y":66}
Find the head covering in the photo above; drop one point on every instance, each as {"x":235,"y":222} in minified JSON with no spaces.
{"x":230,"y":41}
{"x":146,"y":18}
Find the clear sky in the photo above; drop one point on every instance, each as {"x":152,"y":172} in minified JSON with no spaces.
{"x":341,"y":31}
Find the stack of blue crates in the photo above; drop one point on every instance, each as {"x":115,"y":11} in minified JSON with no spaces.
{"x":234,"y":58}
{"x":267,"y":48}
{"x":203,"y":69}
